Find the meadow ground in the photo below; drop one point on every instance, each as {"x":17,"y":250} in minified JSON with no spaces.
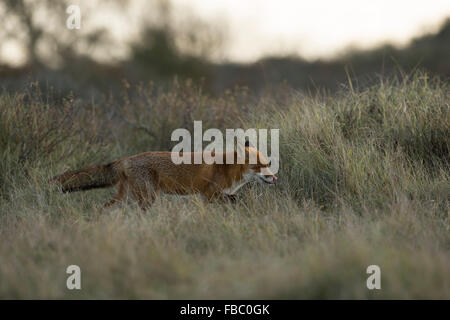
{"x":364,"y":180}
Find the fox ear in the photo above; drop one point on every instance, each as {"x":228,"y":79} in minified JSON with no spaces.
{"x":247,"y":144}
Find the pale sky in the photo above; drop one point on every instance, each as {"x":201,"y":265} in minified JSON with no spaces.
{"x":319,"y":28}
{"x":255,"y":28}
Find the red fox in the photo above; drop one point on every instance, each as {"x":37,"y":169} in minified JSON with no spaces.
{"x":146,"y":174}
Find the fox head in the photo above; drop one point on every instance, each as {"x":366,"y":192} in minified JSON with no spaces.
{"x":260,"y":170}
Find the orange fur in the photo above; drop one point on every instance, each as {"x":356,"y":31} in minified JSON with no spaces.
{"x":145,"y":175}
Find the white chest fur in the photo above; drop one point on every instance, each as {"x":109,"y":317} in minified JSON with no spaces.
{"x":238,"y":184}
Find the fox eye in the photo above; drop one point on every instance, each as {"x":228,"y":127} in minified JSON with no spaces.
{"x":270,"y":163}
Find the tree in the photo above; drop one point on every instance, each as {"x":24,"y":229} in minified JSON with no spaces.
{"x":40,"y":28}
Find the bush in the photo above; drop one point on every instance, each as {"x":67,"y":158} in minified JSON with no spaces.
{"x":366,"y":147}
{"x":38,"y":132}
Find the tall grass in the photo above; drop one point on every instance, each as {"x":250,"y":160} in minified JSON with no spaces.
{"x":364,"y":180}
{"x":385,"y":142}
{"x":37,"y":131}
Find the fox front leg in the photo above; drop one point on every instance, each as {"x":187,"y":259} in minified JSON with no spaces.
{"x":229,"y":197}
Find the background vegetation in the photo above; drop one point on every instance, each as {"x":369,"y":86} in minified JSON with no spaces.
{"x":364,"y":180}
{"x":364,"y":177}
{"x":164,"y":48}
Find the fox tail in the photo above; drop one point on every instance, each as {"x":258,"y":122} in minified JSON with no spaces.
{"x":99,"y":176}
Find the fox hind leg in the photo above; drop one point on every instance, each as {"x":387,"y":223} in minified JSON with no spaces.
{"x":145,"y":198}
{"x":145,"y":188}
{"x":118,"y":196}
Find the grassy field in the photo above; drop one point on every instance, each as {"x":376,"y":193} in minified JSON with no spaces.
{"x":364,"y":180}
